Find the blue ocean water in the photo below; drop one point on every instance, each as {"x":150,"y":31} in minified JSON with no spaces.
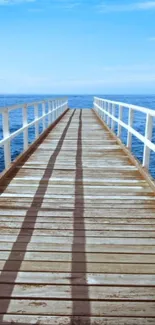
{"x":77,"y":101}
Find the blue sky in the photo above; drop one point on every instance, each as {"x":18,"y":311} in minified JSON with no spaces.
{"x":77,"y":46}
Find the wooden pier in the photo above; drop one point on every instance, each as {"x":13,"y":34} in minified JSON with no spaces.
{"x":77,"y":230}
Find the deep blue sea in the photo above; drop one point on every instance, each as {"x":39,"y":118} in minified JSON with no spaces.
{"x":76,"y":101}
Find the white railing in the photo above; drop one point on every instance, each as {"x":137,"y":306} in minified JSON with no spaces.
{"x":106,"y":109}
{"x":51,"y":110}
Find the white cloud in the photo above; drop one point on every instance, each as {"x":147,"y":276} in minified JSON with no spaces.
{"x":134,"y":6}
{"x":152,"y":39}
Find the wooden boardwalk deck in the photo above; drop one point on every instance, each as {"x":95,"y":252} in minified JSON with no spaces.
{"x":77,"y":232}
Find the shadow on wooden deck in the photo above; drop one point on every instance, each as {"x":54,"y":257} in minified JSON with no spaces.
{"x":79,"y":213}
{"x":33,"y":212}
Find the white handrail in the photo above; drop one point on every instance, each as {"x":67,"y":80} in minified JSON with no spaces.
{"x":106,"y":110}
{"x":134,"y":107}
{"x":55,"y":107}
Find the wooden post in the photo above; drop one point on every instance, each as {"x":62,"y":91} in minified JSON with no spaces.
{"x":26,"y":125}
{"x":6,"y":133}
{"x":148,"y":136}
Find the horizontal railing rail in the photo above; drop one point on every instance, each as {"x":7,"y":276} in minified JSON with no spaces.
{"x":106,"y":109}
{"x":51,"y":110}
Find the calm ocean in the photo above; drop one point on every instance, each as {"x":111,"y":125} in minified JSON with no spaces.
{"x":76,"y":101}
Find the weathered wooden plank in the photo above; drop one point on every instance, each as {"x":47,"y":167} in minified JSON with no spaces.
{"x":65,"y":320}
{"x":88,"y":190}
{"x":142,"y":280}
{"x":70,"y":165}
{"x":80,"y":233}
{"x":54,"y":221}
{"x":101,"y":308}
{"x":69,"y":204}
{"x":67,"y":247}
{"x":87,"y":173}
{"x":20,"y":181}
{"x":30,"y":291}
{"x":135,"y":197}
{"x":44,"y":266}
{"x":79,"y":257}
{"x":78,"y":240}
{"x":60,"y":225}
{"x":117,"y":213}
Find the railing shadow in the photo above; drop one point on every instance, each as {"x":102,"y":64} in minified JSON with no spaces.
{"x":32,"y":211}
{"x":79,"y":267}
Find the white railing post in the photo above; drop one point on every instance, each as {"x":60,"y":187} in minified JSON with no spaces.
{"x":66,"y":106}
{"x":50,"y":110}
{"x":56,"y":112}
{"x":36,"y":115}
{"x":43,"y":113}
{"x":98,"y":107}
{"x":130,"y":122}
{"x":148,"y":136}
{"x":55,"y":107}
{"x":102,"y":108}
{"x":25,"y":124}
{"x":62,"y":106}
{"x":108,"y":117}
{"x":120,"y":115}
{"x":113,"y":114}
{"x":101,"y":113}
{"x":97,"y":104}
{"x":59,"y":109}
{"x":6,"y":133}
{"x":61,"y":103}
{"x":110,"y":111}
